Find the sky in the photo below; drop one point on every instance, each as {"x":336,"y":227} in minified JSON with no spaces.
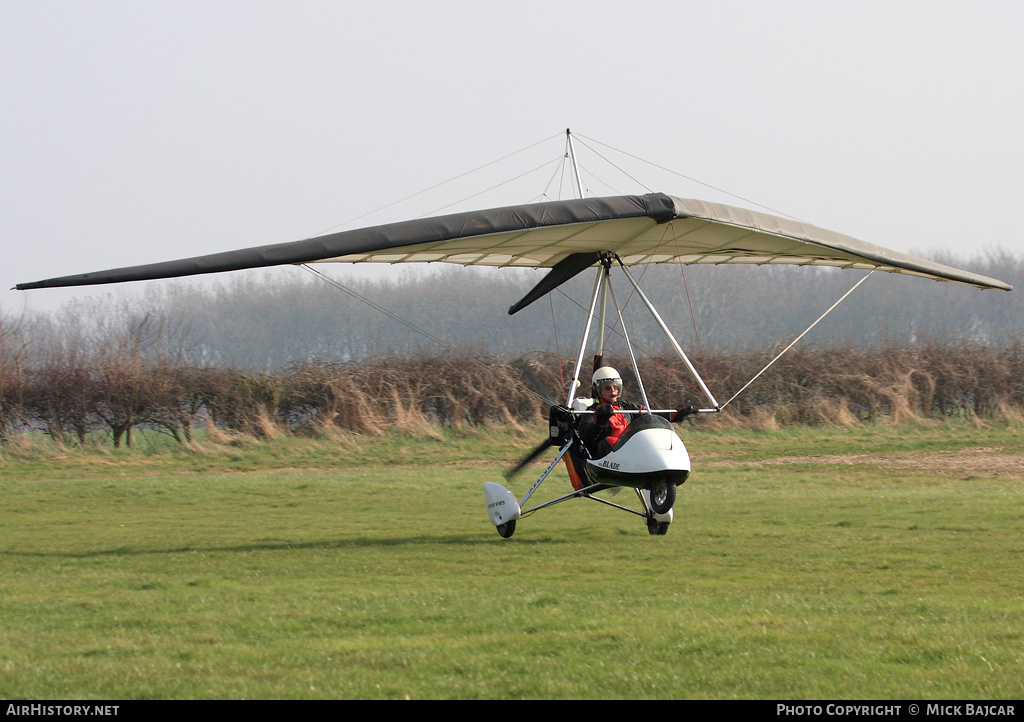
{"x":144,"y":131}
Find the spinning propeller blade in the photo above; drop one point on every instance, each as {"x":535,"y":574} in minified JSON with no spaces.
{"x":529,"y":458}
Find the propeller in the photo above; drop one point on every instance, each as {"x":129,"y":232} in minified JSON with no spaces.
{"x":529,"y":458}
{"x":560,"y":425}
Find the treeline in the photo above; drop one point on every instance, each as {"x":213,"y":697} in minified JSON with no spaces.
{"x":135,"y":381}
{"x":271,"y":352}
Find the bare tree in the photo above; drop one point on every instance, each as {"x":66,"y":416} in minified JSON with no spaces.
{"x":12,"y":352}
{"x":176,"y":400}
{"x":57,"y":391}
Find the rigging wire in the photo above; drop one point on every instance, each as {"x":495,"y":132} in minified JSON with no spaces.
{"x":558,"y":353}
{"x":408,"y":324}
{"x":585,"y":171}
{"x":563,"y":167}
{"x":612,"y":328}
{"x":693,"y":316}
{"x":681,"y":175}
{"x":375,"y":306}
{"x":613,"y":165}
{"x":559,"y":169}
{"x":488,"y":190}
{"x":438,"y":185}
{"x":793,"y":343}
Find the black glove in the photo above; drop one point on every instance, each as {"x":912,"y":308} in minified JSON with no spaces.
{"x":603,"y":414}
{"x":683,"y":411}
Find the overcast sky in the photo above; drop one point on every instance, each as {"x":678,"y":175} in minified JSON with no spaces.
{"x":134,"y":132}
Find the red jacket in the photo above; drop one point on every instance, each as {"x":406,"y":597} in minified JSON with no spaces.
{"x":618,"y":424}
{"x":610,"y":432}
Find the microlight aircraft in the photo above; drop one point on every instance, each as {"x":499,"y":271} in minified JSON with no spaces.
{"x":569,"y":237}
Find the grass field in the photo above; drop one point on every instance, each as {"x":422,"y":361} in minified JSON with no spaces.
{"x":876,"y":562}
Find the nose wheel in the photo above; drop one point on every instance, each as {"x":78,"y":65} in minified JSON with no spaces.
{"x":663,"y":496}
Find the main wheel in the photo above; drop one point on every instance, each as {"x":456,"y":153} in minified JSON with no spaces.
{"x":507,"y":529}
{"x":657,"y":528}
{"x":663,"y":496}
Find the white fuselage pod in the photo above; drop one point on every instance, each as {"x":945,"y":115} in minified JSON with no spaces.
{"x":648,"y":452}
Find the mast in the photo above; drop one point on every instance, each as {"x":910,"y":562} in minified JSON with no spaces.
{"x":575,"y":167}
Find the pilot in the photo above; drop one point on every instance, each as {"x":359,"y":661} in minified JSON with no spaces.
{"x":603,"y":432}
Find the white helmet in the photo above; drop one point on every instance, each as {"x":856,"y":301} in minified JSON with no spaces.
{"x":605,"y":374}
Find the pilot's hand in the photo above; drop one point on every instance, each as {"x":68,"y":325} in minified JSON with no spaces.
{"x":603,"y":414}
{"x":683,"y":411}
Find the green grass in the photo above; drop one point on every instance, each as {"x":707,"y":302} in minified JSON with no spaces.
{"x":794,"y":569}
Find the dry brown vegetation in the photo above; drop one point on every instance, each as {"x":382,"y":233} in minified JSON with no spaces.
{"x":68,"y":393}
{"x":849,"y":386}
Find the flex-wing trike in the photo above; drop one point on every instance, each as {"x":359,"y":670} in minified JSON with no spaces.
{"x":648,"y":457}
{"x":567,"y":237}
